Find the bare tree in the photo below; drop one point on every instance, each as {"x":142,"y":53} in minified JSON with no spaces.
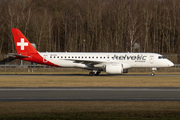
{"x":106,"y":25}
{"x":132,"y":28}
{"x":12,"y":20}
{"x":147,"y":16}
{"x":41,"y":30}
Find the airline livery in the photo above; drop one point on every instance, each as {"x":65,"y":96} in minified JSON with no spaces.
{"x":111,"y":63}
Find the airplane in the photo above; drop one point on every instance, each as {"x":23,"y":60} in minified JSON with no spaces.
{"x":111,"y":63}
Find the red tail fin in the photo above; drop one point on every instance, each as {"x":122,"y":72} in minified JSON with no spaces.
{"x":25,"y":51}
{"x":23,"y":46}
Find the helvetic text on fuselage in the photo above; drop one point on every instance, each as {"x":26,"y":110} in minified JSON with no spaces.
{"x":137,"y":58}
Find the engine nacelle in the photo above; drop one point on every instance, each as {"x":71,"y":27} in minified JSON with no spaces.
{"x":114,"y":68}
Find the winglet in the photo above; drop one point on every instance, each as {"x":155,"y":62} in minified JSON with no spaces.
{"x":23,"y":46}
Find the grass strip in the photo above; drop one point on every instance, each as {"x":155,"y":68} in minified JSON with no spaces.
{"x":88,"y":81}
{"x":89,"y":110}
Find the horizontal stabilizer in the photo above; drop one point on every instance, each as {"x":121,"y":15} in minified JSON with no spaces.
{"x":16,"y":55}
{"x":7,"y":60}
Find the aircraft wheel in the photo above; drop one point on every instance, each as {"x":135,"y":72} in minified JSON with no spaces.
{"x":97,"y":73}
{"x":152,"y":74}
{"x":91,"y":74}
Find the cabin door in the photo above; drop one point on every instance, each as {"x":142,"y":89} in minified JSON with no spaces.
{"x":151,"y":59}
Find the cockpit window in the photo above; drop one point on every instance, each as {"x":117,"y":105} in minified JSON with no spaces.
{"x":161,"y":57}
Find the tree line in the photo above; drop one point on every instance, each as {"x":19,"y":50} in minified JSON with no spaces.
{"x":93,"y":25}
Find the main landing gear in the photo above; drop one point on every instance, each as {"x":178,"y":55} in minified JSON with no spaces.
{"x":91,"y":73}
{"x":153,"y":70}
{"x":94,"y":73}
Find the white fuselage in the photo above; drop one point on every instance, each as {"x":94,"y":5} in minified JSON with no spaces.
{"x":129,"y":60}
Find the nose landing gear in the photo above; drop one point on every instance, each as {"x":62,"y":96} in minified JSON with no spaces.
{"x":153,"y":70}
{"x":152,"y":74}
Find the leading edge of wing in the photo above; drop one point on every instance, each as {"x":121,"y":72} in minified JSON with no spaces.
{"x":87,"y":61}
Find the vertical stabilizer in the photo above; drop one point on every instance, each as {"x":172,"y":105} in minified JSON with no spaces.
{"x":23,"y":46}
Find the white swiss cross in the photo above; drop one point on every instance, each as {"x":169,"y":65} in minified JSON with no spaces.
{"x":22,"y":43}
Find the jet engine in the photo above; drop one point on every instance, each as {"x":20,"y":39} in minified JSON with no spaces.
{"x":114,"y":68}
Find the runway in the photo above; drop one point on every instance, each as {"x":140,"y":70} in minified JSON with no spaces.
{"x":90,"y":94}
{"x":126,"y":75}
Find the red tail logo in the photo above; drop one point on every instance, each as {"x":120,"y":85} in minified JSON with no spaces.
{"x":22,"y":44}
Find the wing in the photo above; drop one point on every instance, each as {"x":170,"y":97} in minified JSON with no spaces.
{"x":88,"y":62}
{"x":99,"y":64}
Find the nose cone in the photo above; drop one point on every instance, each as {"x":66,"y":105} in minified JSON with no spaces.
{"x":170,"y":64}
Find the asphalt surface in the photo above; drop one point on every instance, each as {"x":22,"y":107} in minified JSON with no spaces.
{"x":90,"y":94}
{"x":163,"y":75}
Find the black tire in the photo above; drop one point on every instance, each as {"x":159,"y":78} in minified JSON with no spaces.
{"x":152,"y":74}
{"x":97,"y":73}
{"x":91,"y":74}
